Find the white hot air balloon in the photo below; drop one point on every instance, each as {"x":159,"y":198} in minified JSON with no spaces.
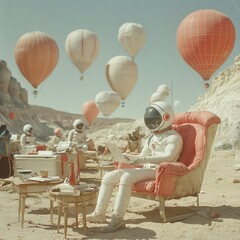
{"x":163,"y":88}
{"x":82,"y":47}
{"x":121,"y":74}
{"x":107,"y":102}
{"x":132,"y":37}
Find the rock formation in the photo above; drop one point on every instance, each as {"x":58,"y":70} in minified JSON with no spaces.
{"x":222,"y":98}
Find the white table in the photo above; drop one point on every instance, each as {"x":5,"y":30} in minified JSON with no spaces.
{"x":52,"y":162}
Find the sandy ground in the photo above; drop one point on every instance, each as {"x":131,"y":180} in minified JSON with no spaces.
{"x":217,"y":218}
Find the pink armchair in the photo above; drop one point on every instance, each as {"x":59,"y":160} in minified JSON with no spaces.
{"x":183,"y":178}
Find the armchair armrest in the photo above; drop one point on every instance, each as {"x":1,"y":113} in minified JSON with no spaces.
{"x":166,"y":176}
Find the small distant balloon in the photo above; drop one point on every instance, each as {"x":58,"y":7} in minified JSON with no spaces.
{"x":12,"y":115}
{"x":90,"y":111}
{"x":107,"y":102}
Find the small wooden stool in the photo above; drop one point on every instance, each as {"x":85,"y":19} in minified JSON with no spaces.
{"x":83,"y":200}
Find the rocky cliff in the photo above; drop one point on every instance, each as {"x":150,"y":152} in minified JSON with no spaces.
{"x":223,"y":98}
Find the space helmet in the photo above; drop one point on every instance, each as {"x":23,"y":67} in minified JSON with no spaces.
{"x":159,"y":116}
{"x":78,"y":125}
{"x":27,"y":129}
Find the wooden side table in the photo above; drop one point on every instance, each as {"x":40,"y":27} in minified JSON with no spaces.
{"x":85,"y":199}
{"x":25,"y":187}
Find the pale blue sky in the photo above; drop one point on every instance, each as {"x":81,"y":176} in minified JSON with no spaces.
{"x":159,"y":61}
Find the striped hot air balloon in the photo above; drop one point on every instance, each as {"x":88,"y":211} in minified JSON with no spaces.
{"x":36,"y":55}
{"x":82,"y":47}
{"x":205,"y":39}
{"x":122,"y":75}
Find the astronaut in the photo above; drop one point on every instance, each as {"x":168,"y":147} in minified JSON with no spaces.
{"x":78,"y":136}
{"x":58,"y":137}
{"x":27,"y":138}
{"x":163,"y":145}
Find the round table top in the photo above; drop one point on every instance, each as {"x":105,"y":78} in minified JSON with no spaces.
{"x":82,"y":195}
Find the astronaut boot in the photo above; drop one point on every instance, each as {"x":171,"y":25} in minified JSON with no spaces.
{"x":115,"y":225}
{"x":96,"y":218}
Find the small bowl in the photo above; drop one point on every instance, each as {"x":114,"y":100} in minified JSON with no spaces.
{"x":44,"y":173}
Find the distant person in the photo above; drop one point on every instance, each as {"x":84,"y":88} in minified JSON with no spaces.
{"x":78,"y":136}
{"x":58,"y":137}
{"x":27,"y":138}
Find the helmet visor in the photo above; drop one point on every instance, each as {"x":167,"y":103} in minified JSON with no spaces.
{"x":152,"y":118}
{"x":80,"y":127}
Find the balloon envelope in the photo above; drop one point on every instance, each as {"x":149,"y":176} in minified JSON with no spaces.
{"x":132,"y":37}
{"x":107,"y":102}
{"x":205,"y":39}
{"x":11,"y":115}
{"x":36,"y":55}
{"x":121,"y":74}
{"x":82,"y":47}
{"x":90,"y":111}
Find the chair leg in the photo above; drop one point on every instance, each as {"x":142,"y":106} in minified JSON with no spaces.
{"x":197,"y":200}
{"x":162,"y":209}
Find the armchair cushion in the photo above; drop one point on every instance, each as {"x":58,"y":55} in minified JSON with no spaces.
{"x":166,"y":172}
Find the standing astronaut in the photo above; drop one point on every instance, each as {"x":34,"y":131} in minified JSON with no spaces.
{"x":78,"y":136}
{"x":163,"y":145}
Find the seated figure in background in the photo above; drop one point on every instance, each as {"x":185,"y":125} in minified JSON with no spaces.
{"x":78,"y":136}
{"x":27,"y":141}
{"x":58,"y":137}
{"x":27,"y":138}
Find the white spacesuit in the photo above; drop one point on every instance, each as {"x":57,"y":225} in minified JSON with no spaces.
{"x":163,"y":145}
{"x":26,"y":138}
{"x":78,"y":136}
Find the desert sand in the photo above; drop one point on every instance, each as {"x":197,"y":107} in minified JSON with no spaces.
{"x":218,"y":216}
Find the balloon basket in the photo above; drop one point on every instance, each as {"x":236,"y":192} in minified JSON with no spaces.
{"x":123,"y":104}
{"x":81,"y":78}
{"x":35,"y":93}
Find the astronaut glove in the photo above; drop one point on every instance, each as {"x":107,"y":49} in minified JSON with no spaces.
{"x":139,"y":161}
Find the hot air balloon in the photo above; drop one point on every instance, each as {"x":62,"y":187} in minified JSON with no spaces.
{"x":90,"y":111}
{"x":132,"y":37}
{"x":82,"y":47}
{"x":205,"y":39}
{"x":12,"y":115}
{"x":107,"y":102}
{"x":121,"y":74}
{"x":36,"y":55}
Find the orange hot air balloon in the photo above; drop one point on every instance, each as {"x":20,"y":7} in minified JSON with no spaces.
{"x":36,"y":55}
{"x":90,"y":111}
{"x":11,"y":115}
{"x":205,"y":39}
